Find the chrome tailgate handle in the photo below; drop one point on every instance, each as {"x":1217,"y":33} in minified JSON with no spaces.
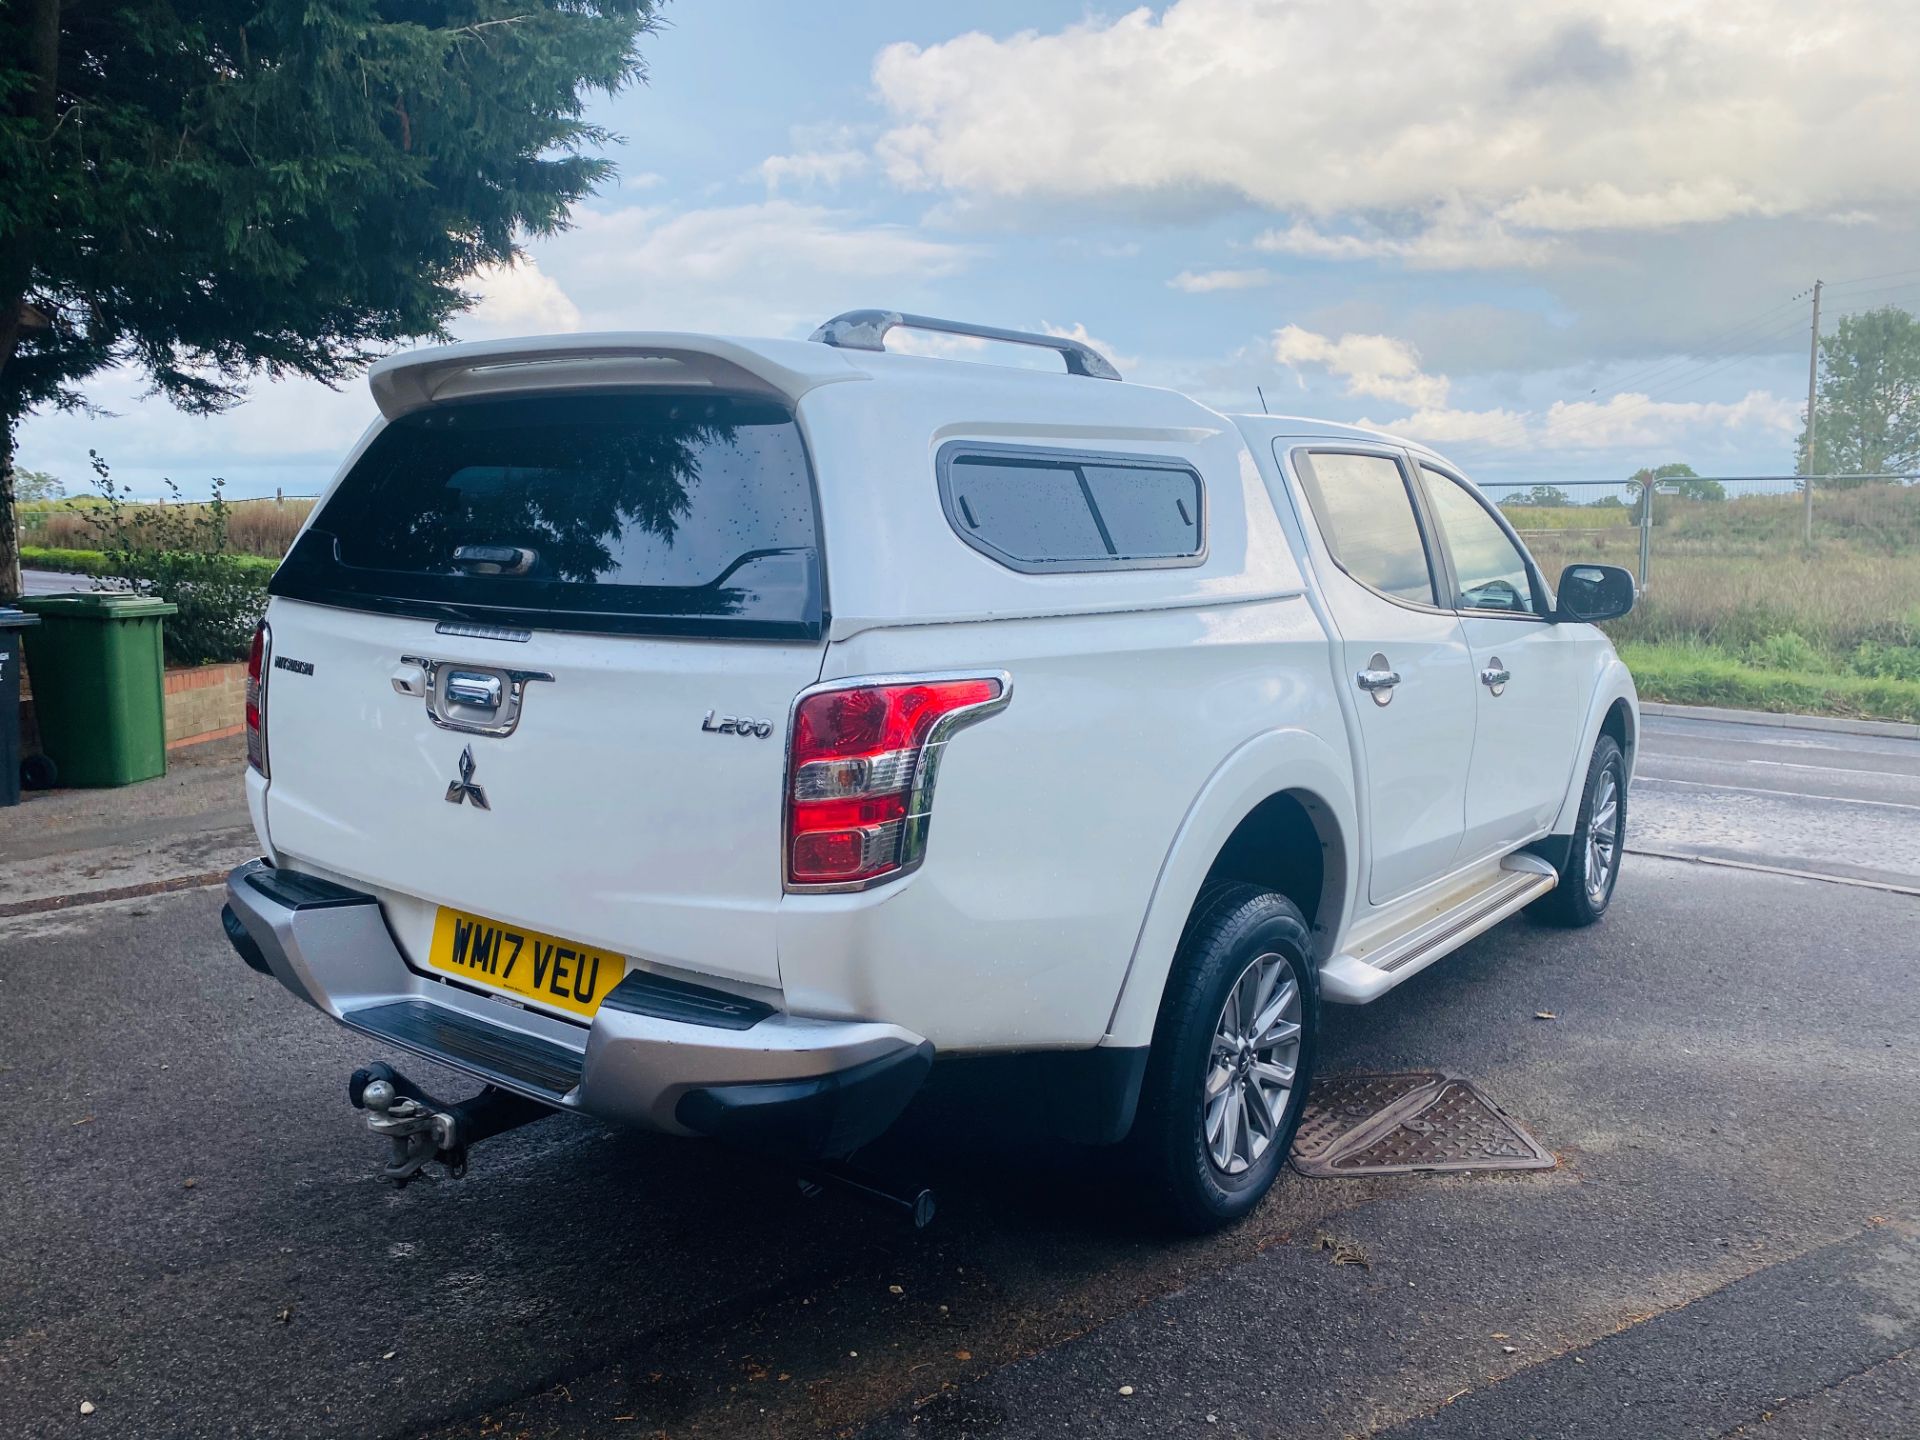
{"x":478,"y":700}
{"x":467,"y":687}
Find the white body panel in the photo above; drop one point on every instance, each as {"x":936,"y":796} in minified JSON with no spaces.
{"x":615,"y":819}
{"x":1152,"y":711}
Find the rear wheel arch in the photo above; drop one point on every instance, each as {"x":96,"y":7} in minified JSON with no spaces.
{"x":1261,"y":791}
{"x":1290,"y":843}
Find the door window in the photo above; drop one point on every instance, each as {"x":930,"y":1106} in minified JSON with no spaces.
{"x":1365,"y":512}
{"x":1490,"y":571}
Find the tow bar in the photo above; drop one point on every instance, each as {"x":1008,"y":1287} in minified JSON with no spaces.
{"x":421,"y":1129}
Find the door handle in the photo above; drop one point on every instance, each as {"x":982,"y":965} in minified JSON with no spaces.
{"x":1378,"y":680}
{"x":1495,"y":676}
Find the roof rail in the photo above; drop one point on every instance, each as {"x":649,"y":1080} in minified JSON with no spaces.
{"x":867,"y":330}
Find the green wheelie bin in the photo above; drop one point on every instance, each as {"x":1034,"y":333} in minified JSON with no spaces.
{"x":99,"y":685}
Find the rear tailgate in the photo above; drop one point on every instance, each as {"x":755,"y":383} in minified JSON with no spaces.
{"x":623,"y":566}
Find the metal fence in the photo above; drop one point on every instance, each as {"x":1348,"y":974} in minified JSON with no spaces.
{"x":1690,"y":523}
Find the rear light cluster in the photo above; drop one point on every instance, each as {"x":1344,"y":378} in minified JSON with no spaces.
{"x":258,"y":658}
{"x":860,"y":787}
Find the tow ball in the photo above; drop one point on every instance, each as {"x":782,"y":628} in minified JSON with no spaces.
{"x":422,"y":1130}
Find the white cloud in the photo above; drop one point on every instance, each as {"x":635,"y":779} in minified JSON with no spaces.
{"x":516,"y":300}
{"x":1374,"y":365}
{"x":1449,"y":237}
{"x":1385,"y":368}
{"x":771,"y":268}
{"x":1440,"y":427}
{"x":1204,"y":282}
{"x":1634,"y":419}
{"x":813,"y":167}
{"x":1607,"y":206}
{"x":1474,"y":120}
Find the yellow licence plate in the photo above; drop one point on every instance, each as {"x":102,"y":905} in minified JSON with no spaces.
{"x":542,"y":968}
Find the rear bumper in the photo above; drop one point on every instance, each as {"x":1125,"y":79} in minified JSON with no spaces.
{"x":812,"y":1087}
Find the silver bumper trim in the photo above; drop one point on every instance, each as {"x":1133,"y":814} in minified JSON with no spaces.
{"x":340,"y":958}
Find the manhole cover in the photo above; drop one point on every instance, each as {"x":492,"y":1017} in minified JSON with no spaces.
{"x":1415,"y":1120}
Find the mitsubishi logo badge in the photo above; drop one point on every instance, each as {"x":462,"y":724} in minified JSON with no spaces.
{"x":464,"y":788}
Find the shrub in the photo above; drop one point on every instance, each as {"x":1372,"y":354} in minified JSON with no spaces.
{"x":1784,"y":650}
{"x":1880,"y":661}
{"x":179,"y":553}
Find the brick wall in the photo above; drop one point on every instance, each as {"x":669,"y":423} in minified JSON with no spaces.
{"x":207,"y":702}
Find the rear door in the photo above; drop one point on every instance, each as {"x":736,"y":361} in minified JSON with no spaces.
{"x":533,"y":661}
{"x":1402,"y":655}
{"x":1529,"y":696}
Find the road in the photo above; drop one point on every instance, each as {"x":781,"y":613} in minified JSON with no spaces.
{"x":192,"y":1241}
{"x":1843,"y":806}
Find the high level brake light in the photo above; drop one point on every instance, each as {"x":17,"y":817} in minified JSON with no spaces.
{"x":863,"y":762}
{"x":258,"y":658}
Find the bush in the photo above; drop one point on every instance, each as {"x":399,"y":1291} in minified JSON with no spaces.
{"x":94,"y":562}
{"x":179,"y":553}
{"x":1784,"y":650}
{"x":1881,"y":661}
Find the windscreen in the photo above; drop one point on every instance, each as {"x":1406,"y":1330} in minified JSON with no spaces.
{"x":645,"y":512}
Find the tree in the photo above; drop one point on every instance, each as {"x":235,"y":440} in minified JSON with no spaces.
{"x":1867,"y":404}
{"x":1540,"y":495}
{"x":32,"y":485}
{"x":208,"y":190}
{"x":1675,"y":478}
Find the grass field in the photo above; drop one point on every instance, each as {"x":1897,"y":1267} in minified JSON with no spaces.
{"x":254,"y":527}
{"x":1738,"y":611}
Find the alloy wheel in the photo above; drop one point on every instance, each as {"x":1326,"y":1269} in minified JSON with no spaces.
{"x":1603,"y":834}
{"x":1251,"y":1066}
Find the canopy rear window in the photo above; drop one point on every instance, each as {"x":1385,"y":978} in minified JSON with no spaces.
{"x":638,"y":512}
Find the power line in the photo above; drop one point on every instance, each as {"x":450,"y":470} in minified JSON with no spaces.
{"x":1694,"y":370}
{"x":1863,"y":279}
{"x":1646,"y":374}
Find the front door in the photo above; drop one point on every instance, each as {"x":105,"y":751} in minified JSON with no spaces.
{"x":1402,"y":656}
{"x":1527,"y":672}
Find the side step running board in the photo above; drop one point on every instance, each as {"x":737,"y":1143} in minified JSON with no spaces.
{"x":1353,"y":980}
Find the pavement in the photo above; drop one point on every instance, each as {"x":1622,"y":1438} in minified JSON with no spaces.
{"x":192,"y":1241}
{"x":65,"y":847}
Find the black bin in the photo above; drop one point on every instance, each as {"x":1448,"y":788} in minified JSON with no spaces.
{"x":12,"y":622}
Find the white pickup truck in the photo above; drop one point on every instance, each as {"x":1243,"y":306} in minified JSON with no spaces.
{"x":711,"y":735}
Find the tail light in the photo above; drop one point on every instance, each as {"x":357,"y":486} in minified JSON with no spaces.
{"x":862,"y":765}
{"x":258,"y":658}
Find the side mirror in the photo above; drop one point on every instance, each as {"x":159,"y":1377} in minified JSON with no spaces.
{"x":1592,"y":593}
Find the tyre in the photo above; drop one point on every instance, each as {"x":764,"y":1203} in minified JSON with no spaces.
{"x":1592,"y":866}
{"x":1232,"y":1057}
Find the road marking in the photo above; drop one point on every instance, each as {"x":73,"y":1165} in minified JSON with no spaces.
{"x":1782,"y":794}
{"x":1829,"y":769}
{"x":1822,"y":875}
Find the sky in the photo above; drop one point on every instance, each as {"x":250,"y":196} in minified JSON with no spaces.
{"x":1558,"y":241}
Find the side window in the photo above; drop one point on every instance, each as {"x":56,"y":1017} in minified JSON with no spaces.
{"x":1490,"y":570}
{"x":1365,"y":511}
{"x":1033,"y":510}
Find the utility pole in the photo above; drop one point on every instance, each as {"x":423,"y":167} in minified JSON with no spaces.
{"x":1813,"y":376}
